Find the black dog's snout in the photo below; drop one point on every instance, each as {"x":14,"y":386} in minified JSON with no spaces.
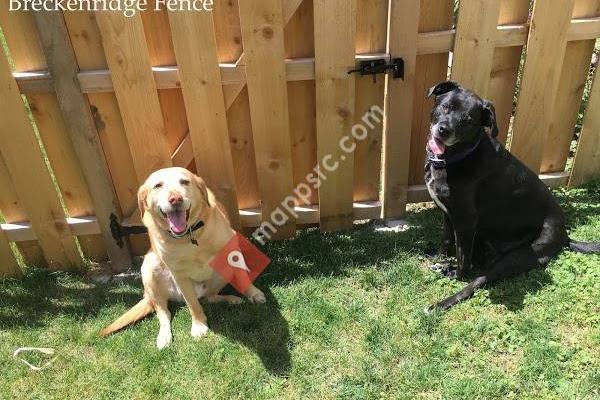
{"x":443,"y":131}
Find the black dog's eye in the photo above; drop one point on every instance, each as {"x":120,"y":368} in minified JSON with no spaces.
{"x":184,"y":182}
{"x":158,"y":185}
{"x":445,"y":107}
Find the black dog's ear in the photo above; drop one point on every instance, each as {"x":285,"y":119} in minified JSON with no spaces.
{"x":442,"y":87}
{"x":489,"y":118}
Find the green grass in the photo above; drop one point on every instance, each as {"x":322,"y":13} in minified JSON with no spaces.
{"x":343,"y":320}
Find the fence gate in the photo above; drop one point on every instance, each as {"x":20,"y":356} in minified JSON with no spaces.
{"x":256,"y":97}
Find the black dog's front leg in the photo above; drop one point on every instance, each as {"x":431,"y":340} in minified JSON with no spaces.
{"x":464,"y":250}
{"x":464,"y":220}
{"x":444,"y":265}
{"x":448,"y":246}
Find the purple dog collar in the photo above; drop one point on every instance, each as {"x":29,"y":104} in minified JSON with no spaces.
{"x":444,"y":162}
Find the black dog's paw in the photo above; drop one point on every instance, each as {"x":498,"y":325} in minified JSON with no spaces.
{"x":445,"y":269}
{"x":433,"y":309}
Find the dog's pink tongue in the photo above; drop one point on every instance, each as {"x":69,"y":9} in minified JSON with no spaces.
{"x":177,"y":221}
{"x":436,"y":146}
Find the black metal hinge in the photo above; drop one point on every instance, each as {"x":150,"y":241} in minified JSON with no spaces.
{"x":119,"y":231}
{"x":381,"y":66}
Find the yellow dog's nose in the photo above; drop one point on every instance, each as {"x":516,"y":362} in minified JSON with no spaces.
{"x":175,"y":198}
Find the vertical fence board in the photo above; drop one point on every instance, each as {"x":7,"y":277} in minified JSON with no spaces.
{"x":228,"y":32}
{"x":81,"y":129}
{"x":129,"y":62}
{"x":12,"y":210}
{"x":262,"y":32}
{"x":242,"y":150}
{"x":371,"y":35}
{"x":66,"y":167}
{"x":27,"y":54}
{"x":203,"y":94}
{"x":505,"y":66}
{"x":8,"y":262}
{"x":436,"y":15}
{"x":229,"y":49}
{"x":572,"y":80}
{"x":289,"y":8}
{"x":335,"y":88}
{"x":299,"y":43}
{"x":32,"y":182}
{"x":547,"y":41}
{"x":161,"y":51}
{"x":399,"y":96}
{"x":226,"y":16}
{"x":587,"y":158}
{"x":87,"y":45}
{"x":475,"y":35}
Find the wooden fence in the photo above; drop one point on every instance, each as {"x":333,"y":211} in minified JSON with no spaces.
{"x":253,"y":95}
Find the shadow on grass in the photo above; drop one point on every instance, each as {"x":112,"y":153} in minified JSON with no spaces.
{"x":40,"y":295}
{"x":580,"y":204}
{"x":513,"y":291}
{"x":260,"y":328}
{"x":312,"y":253}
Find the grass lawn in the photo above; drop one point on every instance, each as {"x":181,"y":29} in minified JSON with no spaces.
{"x":343,"y":320}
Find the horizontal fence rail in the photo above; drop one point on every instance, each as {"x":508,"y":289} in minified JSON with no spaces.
{"x":301,"y":69}
{"x":254,"y":97}
{"x":251,"y":218}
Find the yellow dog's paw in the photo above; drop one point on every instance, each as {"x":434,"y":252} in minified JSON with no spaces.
{"x":234,"y":300}
{"x":163,"y":339}
{"x":256,"y":296}
{"x":199,"y":330}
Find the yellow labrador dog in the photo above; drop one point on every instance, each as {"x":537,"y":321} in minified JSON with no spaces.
{"x":187,"y":227}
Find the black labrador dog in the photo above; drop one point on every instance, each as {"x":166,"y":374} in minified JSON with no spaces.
{"x":499,"y":216}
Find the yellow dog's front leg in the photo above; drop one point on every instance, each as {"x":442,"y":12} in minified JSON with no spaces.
{"x":186,"y":286}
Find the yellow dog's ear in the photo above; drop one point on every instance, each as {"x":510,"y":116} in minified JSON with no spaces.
{"x":142,"y":194}
{"x":209,"y":197}
{"x":204,"y":191}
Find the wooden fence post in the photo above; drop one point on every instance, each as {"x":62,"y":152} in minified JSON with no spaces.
{"x":403,"y":25}
{"x":23,"y":157}
{"x":76,"y":113}
{"x":335,"y":28}
{"x":86,"y":41}
{"x":545,"y":53}
{"x":262,"y":34}
{"x":371,"y":37}
{"x":587,"y":158}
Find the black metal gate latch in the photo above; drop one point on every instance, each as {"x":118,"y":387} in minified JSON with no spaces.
{"x":381,"y":66}
{"x":119,"y":231}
